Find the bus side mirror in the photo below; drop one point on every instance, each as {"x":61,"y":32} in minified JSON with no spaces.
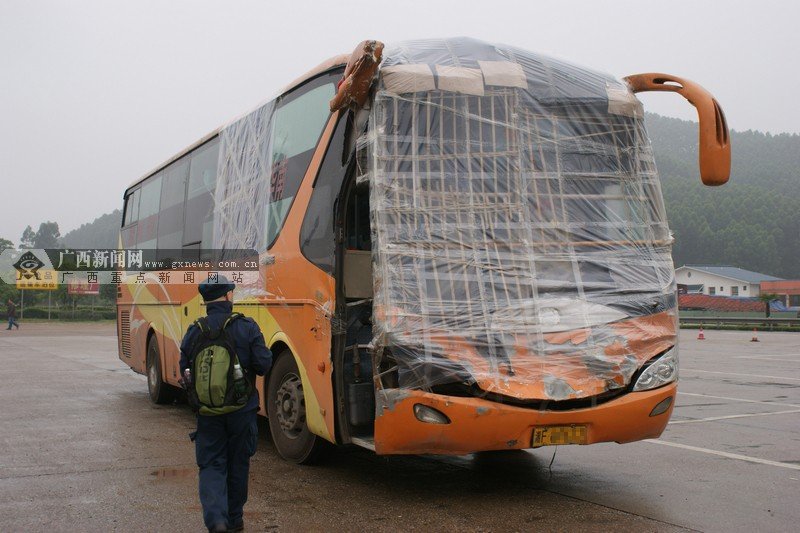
{"x":715,"y":147}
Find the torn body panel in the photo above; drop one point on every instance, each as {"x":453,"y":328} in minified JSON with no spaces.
{"x":358,"y":76}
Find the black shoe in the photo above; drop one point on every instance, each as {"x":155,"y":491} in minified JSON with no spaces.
{"x":218,"y":528}
{"x":239,"y":526}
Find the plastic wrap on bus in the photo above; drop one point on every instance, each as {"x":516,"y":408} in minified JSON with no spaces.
{"x":245,"y":176}
{"x":244,"y":173}
{"x":519,"y":239}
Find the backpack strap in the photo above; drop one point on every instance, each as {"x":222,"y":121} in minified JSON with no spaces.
{"x":207,"y":332}
{"x":202,"y":325}
{"x":223,"y":331}
{"x":231,"y":318}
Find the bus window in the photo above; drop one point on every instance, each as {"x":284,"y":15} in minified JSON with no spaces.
{"x":170,"y":217}
{"x":128,"y":233}
{"x":131,"y":208}
{"x":199,"y":221}
{"x":297,"y":127}
{"x":148,"y":212}
{"x":316,"y":236}
{"x":265,"y":155}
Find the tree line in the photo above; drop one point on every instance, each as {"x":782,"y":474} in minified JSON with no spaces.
{"x":103,"y":232}
{"x":753,"y":221}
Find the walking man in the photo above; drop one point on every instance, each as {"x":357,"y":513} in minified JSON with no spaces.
{"x":11,"y":312}
{"x":227,"y":431}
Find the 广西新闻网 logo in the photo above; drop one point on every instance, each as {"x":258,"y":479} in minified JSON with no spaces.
{"x":27,"y":266}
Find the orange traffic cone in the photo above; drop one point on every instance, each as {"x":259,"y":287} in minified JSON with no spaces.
{"x":700,"y":335}
{"x":755,"y":335}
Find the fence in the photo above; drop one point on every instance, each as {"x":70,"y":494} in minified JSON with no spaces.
{"x":750,"y":322}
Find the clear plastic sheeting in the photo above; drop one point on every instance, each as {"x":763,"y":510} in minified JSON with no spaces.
{"x":245,"y":172}
{"x":263,"y":158}
{"x":520,"y":243}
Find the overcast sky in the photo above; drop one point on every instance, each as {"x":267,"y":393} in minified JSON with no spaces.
{"x":95,"y":94}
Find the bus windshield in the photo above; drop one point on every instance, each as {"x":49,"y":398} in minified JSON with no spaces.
{"x":518,"y":225}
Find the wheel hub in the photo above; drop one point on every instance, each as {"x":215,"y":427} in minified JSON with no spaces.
{"x":291,"y":406}
{"x":152,"y":377}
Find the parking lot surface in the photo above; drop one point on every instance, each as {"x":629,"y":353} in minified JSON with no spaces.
{"x":84,"y":450}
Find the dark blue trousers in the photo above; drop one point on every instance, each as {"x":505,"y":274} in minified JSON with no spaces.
{"x":224,"y":445}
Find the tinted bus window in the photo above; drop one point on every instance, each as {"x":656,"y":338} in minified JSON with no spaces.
{"x":148,"y":212}
{"x":199,"y":226}
{"x":297,"y":126}
{"x":131,"y":208}
{"x":170,"y":217}
{"x":128,"y":233}
{"x":316,"y":236}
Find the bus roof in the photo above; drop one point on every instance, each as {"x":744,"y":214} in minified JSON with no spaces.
{"x":339,"y":60}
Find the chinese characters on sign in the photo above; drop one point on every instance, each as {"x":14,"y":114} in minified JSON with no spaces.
{"x":47,"y":280}
{"x":100,"y":259}
{"x":78,"y":287}
{"x":74,"y":280}
{"x":82,"y":271}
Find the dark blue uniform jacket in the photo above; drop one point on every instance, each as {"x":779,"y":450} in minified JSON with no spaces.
{"x":253,"y":353}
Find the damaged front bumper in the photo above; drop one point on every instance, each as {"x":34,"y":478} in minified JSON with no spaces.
{"x":481,"y":425}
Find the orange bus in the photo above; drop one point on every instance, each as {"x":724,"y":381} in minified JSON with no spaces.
{"x":461,"y":247}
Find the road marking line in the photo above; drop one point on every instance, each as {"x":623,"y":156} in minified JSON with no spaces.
{"x":738,"y":399}
{"x":763,"y":356}
{"x":738,"y":374}
{"x":712,"y":418}
{"x":725,"y":454}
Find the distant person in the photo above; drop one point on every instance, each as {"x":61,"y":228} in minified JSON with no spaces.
{"x":227,"y":404}
{"x":11,"y":312}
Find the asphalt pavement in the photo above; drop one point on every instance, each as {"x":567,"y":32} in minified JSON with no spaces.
{"x":84,"y":450}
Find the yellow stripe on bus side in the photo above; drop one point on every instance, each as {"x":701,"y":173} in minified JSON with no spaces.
{"x":155,"y":315}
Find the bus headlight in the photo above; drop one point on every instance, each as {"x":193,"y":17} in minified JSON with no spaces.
{"x":660,"y":372}
{"x":429,"y":415}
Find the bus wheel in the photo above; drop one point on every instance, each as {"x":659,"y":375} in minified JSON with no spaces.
{"x":159,"y":391}
{"x":286,"y":409}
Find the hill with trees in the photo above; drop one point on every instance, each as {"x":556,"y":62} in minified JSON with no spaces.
{"x":47,"y":236}
{"x":102,"y":232}
{"x":753,"y":221}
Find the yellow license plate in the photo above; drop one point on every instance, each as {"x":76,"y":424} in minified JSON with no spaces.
{"x":558,"y":435}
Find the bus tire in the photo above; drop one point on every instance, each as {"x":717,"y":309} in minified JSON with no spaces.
{"x":160,"y":392}
{"x":286,"y":412}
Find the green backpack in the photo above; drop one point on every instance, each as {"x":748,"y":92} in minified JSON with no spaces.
{"x":214,"y":388}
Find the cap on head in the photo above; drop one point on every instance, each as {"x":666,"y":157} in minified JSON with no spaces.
{"x":211,"y":289}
